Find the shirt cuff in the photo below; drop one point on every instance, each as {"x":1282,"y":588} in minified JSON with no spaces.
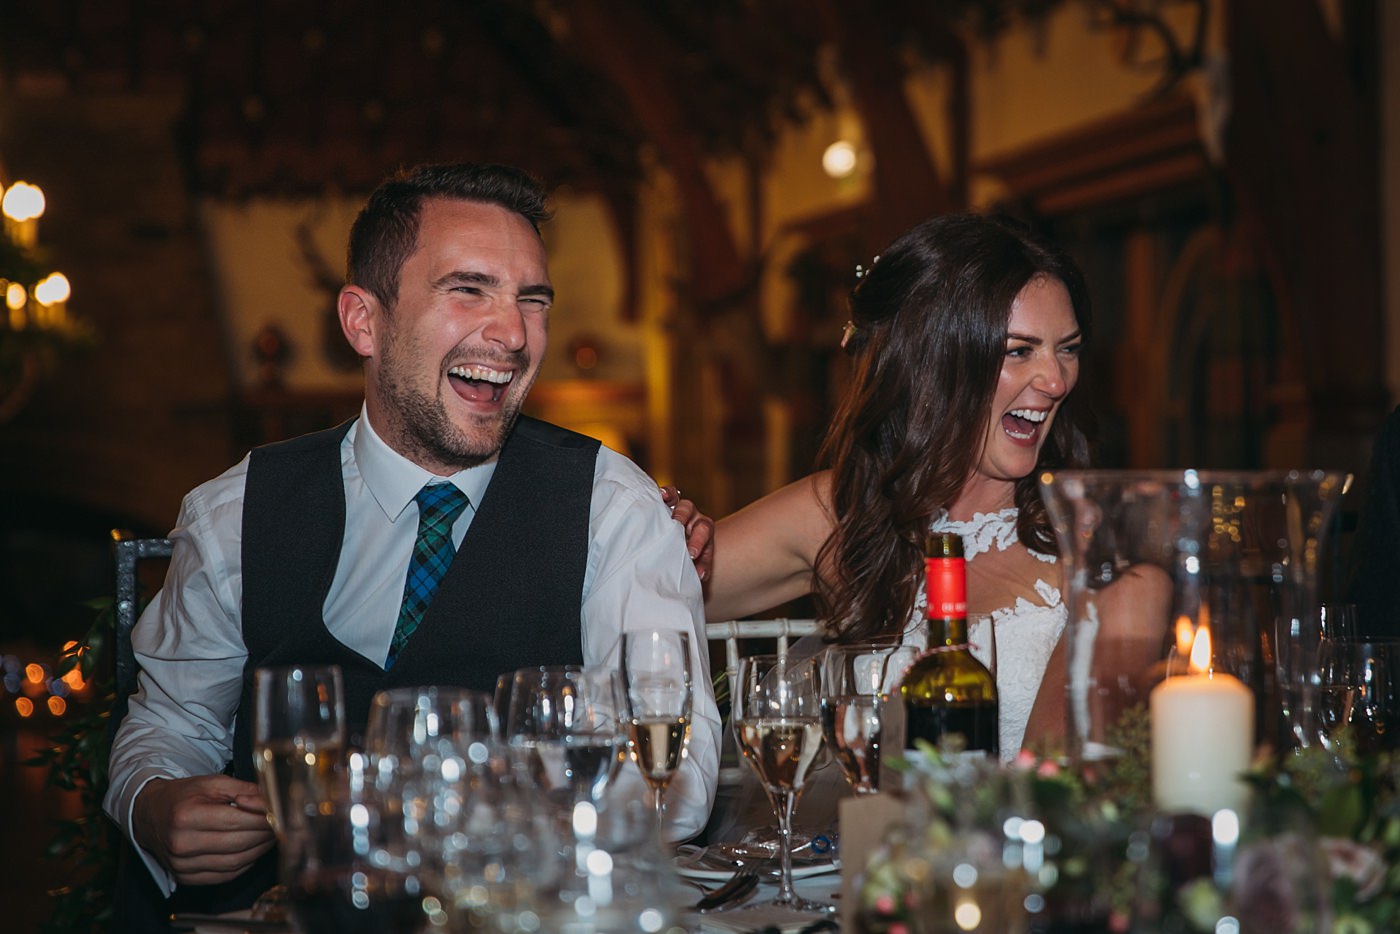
{"x":122,"y":806}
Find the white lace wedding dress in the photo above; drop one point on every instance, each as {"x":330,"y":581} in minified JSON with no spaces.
{"x":1007,"y":583}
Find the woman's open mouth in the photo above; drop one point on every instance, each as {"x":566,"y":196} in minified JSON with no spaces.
{"x":1024,"y":424}
{"x":480,"y":383}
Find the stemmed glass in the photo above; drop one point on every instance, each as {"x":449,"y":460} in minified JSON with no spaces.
{"x":314,"y":794}
{"x":443,"y":814}
{"x":1361,"y":693}
{"x":655,"y":666}
{"x":500,"y":699}
{"x":565,"y":722}
{"x":777,"y":723}
{"x":856,"y":682}
{"x":298,"y":739}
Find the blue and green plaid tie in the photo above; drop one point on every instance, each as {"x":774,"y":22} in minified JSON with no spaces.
{"x":439,"y":505}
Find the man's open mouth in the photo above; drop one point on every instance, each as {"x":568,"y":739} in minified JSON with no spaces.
{"x":480,"y":383}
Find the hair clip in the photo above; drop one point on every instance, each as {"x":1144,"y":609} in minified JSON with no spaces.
{"x":863,"y":271}
{"x":847,"y":332}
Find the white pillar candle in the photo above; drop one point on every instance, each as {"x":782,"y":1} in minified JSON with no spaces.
{"x":1202,"y":738}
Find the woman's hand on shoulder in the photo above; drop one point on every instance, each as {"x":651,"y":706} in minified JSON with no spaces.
{"x":699,"y":529}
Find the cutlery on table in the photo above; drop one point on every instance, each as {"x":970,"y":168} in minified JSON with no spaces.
{"x":739,"y":887}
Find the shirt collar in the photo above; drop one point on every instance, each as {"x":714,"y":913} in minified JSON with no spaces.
{"x":394,"y":480}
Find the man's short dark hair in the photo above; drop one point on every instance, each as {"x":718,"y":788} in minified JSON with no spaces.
{"x":386,"y":231}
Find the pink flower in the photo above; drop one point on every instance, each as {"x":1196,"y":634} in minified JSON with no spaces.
{"x":1048,"y":769}
{"x":1025,"y":759}
{"x":899,"y":927}
{"x":1348,"y":859}
{"x":885,"y":904}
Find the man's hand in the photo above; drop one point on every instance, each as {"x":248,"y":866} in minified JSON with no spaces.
{"x":205,"y":830}
{"x":699,"y":530}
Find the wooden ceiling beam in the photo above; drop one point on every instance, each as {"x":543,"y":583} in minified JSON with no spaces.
{"x":620,"y":46}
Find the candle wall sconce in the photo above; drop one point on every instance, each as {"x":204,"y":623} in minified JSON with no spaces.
{"x":36,"y":330}
{"x":1153,"y":561}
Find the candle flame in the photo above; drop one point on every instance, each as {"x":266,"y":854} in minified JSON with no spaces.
{"x":1200,"y":651}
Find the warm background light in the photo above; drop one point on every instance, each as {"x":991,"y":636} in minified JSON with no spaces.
{"x":16,"y":296}
{"x":23,"y":202}
{"x":53,"y":289}
{"x":839,"y":160}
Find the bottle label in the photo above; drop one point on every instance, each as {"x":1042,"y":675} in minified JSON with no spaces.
{"x":947,"y":588}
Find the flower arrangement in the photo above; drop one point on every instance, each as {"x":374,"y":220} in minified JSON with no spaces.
{"x":1081,"y":848}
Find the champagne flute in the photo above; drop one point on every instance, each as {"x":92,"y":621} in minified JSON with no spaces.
{"x":565,"y":724}
{"x":655,"y":667}
{"x":856,"y":682}
{"x":298,"y":739}
{"x":777,"y":722}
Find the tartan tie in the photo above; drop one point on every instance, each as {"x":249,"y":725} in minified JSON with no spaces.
{"x":439,"y":505}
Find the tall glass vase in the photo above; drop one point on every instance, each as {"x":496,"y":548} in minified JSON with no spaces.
{"x":1192,"y":600}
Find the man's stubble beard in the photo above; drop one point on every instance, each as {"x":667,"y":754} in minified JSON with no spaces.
{"x":422,"y":430}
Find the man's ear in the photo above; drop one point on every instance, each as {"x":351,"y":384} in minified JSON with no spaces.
{"x":359,"y":317}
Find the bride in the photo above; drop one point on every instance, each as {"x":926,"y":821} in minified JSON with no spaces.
{"x":965,"y":336}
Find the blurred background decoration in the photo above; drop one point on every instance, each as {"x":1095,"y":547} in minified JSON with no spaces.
{"x":37,"y":334}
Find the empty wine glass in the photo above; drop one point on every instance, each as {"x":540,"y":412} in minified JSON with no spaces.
{"x":777,"y":723}
{"x":655,"y":667}
{"x":334,"y":885}
{"x":412,"y":718}
{"x":982,"y":640}
{"x":565,"y":724}
{"x":421,"y":743}
{"x":856,"y":681}
{"x":298,"y":738}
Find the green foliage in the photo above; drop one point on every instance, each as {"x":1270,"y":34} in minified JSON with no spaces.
{"x":1329,"y":812}
{"x":77,"y":762}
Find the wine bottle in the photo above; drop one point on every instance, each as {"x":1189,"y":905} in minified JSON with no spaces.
{"x":947,"y":692}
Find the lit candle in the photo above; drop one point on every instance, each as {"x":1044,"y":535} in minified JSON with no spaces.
{"x":1202,"y":737}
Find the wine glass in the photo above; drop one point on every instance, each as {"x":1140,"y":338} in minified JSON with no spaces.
{"x":445,"y":814}
{"x":982,"y":640}
{"x":500,"y":699}
{"x":1361,"y":692}
{"x":298,"y":739}
{"x":429,"y":716}
{"x":565,"y":724}
{"x":1338,"y":621}
{"x":777,"y":723}
{"x":334,"y":883}
{"x":655,"y":667}
{"x":856,"y":681}
{"x":421,"y":742}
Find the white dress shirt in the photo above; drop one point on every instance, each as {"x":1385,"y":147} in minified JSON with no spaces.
{"x":189,"y":641}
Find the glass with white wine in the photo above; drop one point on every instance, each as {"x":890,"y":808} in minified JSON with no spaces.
{"x":857,"y":679}
{"x":298,"y":738}
{"x":312,"y":790}
{"x":655,"y":666}
{"x":777,"y":722}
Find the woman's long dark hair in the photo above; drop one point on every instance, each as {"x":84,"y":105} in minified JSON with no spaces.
{"x":930,"y":322}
